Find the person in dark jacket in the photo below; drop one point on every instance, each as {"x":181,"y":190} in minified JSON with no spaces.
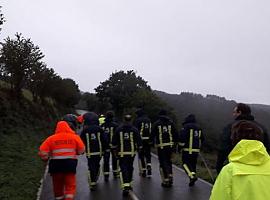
{"x":190,"y":139}
{"x":143,"y":124}
{"x":240,"y":112}
{"x":125,"y":142}
{"x":165,"y":138}
{"x":96,"y":143}
{"x":109,"y":127}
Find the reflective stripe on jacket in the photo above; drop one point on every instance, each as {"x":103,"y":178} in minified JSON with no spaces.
{"x":247,"y":176}
{"x":64,"y":144}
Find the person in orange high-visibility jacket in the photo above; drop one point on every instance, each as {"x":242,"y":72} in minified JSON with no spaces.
{"x":61,"y":149}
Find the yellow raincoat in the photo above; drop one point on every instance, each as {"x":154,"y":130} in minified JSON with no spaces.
{"x":247,"y":176}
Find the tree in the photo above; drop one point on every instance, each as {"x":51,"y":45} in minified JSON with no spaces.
{"x":18,"y":56}
{"x":66,"y":92}
{"x":120,"y":89}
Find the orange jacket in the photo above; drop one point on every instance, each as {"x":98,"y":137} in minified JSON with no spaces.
{"x":64,"y":144}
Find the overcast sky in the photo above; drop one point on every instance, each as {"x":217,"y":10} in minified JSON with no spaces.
{"x":219,"y":47}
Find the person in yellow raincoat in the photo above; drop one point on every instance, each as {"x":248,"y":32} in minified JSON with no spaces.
{"x":247,"y":176}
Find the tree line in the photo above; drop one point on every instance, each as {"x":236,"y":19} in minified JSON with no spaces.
{"x":22,"y":67}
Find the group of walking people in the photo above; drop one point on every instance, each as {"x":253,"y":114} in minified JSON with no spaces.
{"x":103,"y":137}
{"x":244,"y":142}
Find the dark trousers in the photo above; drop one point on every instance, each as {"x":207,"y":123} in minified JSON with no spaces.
{"x":189,"y":163}
{"x":165,"y":162}
{"x":93,"y":167}
{"x":126,"y":167}
{"x":106,"y":164}
{"x":145,"y":156}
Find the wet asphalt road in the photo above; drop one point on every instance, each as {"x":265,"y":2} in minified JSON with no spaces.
{"x":144,"y":188}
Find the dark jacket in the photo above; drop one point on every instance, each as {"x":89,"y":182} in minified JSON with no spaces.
{"x":164,"y":133}
{"x":225,"y":145}
{"x":109,"y":128}
{"x":94,"y":139}
{"x":143,"y":124}
{"x":191,"y":136}
{"x":126,"y":140}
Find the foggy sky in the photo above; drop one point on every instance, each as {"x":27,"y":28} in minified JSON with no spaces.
{"x":201,"y":46}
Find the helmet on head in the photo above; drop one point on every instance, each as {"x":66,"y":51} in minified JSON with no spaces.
{"x":90,"y":118}
{"x":71,"y":120}
{"x":127,"y":118}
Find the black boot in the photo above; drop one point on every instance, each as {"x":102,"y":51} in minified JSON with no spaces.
{"x":192,"y":181}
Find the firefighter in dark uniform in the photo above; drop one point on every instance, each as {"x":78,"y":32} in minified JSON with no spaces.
{"x":165,"y":138}
{"x":109,"y":127}
{"x":95,"y":142}
{"x":143,"y":124}
{"x":190,"y":139}
{"x":125,"y":143}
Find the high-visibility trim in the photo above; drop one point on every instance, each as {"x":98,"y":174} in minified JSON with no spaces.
{"x":93,"y":154}
{"x":145,"y":138}
{"x":59,"y":198}
{"x":200,"y":133}
{"x":150,"y":129}
{"x":160,"y":137}
{"x":89,"y":178}
{"x":161,"y":174}
{"x":64,"y":150}
{"x":64,"y":157}
{"x":190,"y":141}
{"x":132,"y":143}
{"x":126,"y":153}
{"x":191,"y":150}
{"x":121,"y":144}
{"x":106,"y":173}
{"x":170,"y":133}
{"x":71,"y":196}
{"x":181,"y":144}
{"x":142,"y":127}
{"x":88,"y":144}
{"x":188,"y":171}
{"x":126,"y":184}
{"x":149,"y":164}
{"x":121,"y":180}
{"x":99,"y":143}
{"x":165,"y":144}
{"x":93,"y":183}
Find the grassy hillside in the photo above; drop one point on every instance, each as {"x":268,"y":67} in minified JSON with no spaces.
{"x":23,"y":126}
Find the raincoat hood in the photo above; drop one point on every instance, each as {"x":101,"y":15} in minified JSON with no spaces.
{"x":249,"y":152}
{"x":63,"y":127}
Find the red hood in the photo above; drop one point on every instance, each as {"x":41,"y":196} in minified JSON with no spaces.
{"x":63,"y":127}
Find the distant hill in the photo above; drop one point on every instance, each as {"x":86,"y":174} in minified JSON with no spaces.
{"x":213,"y":112}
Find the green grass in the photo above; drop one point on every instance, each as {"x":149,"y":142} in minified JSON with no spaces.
{"x":20,"y":168}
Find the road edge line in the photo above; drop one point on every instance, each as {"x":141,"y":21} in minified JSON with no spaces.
{"x":42,"y":182}
{"x":133,"y":195}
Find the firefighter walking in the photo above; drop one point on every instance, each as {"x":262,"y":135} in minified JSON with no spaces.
{"x":95,"y":142}
{"x":165,"y":138}
{"x":190,"y":139}
{"x":125,"y":143}
{"x":109,"y":127}
{"x":61,"y":149}
{"x":143,"y":124}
